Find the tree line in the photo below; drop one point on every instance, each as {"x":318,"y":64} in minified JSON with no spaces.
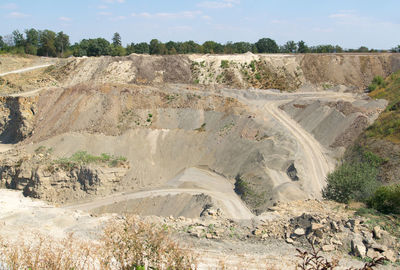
{"x":52,"y":44}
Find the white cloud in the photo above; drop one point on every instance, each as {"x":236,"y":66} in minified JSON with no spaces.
{"x":9,"y":6}
{"x":218,"y":4}
{"x":65,"y":19}
{"x":102,"y":7}
{"x":17,"y":15}
{"x":166,"y":15}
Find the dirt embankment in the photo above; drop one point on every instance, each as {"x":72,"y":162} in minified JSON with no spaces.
{"x":16,"y":118}
{"x":356,"y":70}
{"x":284,"y":72}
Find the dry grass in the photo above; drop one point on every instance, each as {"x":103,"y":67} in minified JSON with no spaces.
{"x":126,"y":244}
{"x":48,"y":253}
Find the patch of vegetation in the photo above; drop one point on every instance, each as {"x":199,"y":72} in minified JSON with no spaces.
{"x":386,"y":199}
{"x":252,"y":65}
{"x":149,"y":118}
{"x":224,"y":64}
{"x":351,"y":182}
{"x":388,"y":222}
{"x":83,"y":158}
{"x":250,"y":196}
{"x":202,"y":128}
{"x":43,"y":150}
{"x":377,"y":82}
{"x":126,"y":244}
{"x":355,"y":179}
{"x":387,"y":126}
{"x":327,"y":86}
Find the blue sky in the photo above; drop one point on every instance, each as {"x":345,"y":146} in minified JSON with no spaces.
{"x":349,"y":23}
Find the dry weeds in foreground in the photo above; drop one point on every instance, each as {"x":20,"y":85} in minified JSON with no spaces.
{"x":126,"y":244}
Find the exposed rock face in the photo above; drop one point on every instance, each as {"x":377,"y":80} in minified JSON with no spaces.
{"x":39,"y":178}
{"x":16,"y":118}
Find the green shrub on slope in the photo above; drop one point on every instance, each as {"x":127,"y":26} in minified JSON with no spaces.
{"x":351,"y":181}
{"x":386,"y":199}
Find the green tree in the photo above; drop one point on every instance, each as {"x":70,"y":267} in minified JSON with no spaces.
{"x":212,"y":47}
{"x":47,"y":43}
{"x":191,"y":47}
{"x":116,"y":39}
{"x":154,"y":46}
{"x":61,"y":43}
{"x":2,"y":44}
{"x":242,"y":47}
{"x":18,"y":37}
{"x":142,"y":48}
{"x":130,"y":48}
{"x":267,"y":45}
{"x":363,"y":49}
{"x":302,"y":47}
{"x":172,"y":47}
{"x":32,"y":41}
{"x":289,"y":47}
{"x":117,"y":50}
{"x":396,"y":49}
{"x":98,"y":46}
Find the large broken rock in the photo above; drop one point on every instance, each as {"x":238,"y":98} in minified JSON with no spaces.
{"x":357,"y":247}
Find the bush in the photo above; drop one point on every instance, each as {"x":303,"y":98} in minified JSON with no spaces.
{"x":224,"y":63}
{"x":386,"y":199}
{"x":351,"y":181}
{"x":132,"y":244}
{"x":377,"y":82}
{"x":84,"y":158}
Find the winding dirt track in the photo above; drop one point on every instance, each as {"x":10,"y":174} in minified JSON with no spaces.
{"x":233,"y":206}
{"x":312,"y":149}
{"x":22,"y":70}
{"x":313,"y":154}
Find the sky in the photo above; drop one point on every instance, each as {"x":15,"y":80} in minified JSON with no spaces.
{"x":348,"y":23}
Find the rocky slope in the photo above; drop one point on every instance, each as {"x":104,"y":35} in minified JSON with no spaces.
{"x":284,"y":72}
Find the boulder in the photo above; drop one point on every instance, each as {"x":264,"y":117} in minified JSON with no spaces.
{"x":390,"y":255}
{"x":328,"y":248}
{"x":377,"y":231}
{"x":299,"y":232}
{"x":371,"y":253}
{"x":358,"y":248}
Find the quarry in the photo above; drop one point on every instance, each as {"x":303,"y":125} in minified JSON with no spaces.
{"x":230,"y":152}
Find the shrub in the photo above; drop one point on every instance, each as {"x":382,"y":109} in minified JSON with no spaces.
{"x":132,"y":244}
{"x":386,"y":199}
{"x":377,"y":82}
{"x":351,"y":181}
{"x":224,"y":63}
{"x":84,"y":158}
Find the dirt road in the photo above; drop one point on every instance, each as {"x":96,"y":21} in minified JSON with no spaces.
{"x":22,"y":70}
{"x":192,"y":181}
{"x":312,"y":153}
